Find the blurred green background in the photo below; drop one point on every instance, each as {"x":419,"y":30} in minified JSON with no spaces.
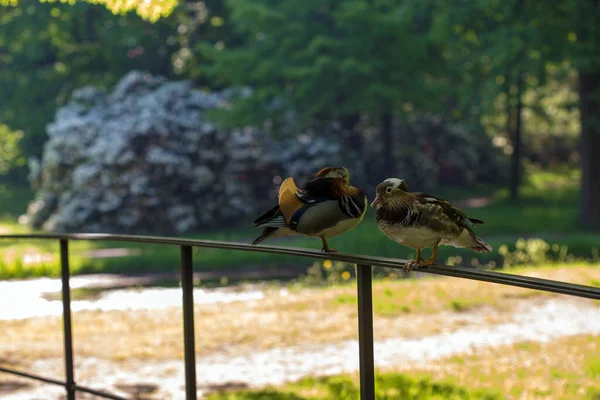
{"x":416,"y":87}
{"x":493,"y":105}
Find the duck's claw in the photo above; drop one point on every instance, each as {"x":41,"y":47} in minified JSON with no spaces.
{"x":416,"y":264}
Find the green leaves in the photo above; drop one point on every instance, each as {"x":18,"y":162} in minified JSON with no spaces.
{"x":150,"y":10}
{"x":9,"y":149}
{"x":49,"y":49}
{"x":328,"y":59}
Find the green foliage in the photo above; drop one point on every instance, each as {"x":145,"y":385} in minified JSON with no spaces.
{"x":13,"y":202}
{"x":593,"y":394}
{"x":10,"y":155}
{"x":49,"y":49}
{"x":343,"y":387}
{"x":509,"y":49}
{"x":328,"y":59}
{"x":150,"y":10}
{"x":592,"y":369}
{"x":535,"y":251}
{"x":500,"y":42}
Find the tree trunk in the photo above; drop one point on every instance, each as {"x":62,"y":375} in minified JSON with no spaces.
{"x":387,"y":140}
{"x":589,"y":107}
{"x":517,"y":142}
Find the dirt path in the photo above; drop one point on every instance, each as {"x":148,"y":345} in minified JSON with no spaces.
{"x":541,"y":321}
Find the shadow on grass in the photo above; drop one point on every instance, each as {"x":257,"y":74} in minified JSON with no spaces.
{"x":344,"y":387}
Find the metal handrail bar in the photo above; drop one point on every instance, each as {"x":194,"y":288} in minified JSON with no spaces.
{"x":457,"y":272}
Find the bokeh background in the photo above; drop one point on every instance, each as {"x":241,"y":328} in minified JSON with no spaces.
{"x":181,"y":118}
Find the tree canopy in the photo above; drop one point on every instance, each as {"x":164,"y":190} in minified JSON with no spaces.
{"x":495,"y":63}
{"x":151,"y":10}
{"x":330,"y":59}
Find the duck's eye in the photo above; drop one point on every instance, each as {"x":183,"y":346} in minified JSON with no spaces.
{"x":389,"y":189}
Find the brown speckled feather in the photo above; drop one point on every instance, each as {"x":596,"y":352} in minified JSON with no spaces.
{"x":406,"y":210}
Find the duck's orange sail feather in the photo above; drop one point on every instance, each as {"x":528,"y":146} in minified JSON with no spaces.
{"x":288,"y":202}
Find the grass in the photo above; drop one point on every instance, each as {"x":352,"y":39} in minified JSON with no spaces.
{"x":547,"y":210}
{"x":567,"y":369}
{"x":434,"y":295}
{"x":345,"y":387}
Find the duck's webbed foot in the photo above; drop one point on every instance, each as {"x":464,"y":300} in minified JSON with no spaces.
{"x":326,"y":247}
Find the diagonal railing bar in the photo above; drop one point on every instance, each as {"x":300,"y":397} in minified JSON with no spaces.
{"x":51,"y":381}
{"x":33,"y":376}
{"x":364,"y":266}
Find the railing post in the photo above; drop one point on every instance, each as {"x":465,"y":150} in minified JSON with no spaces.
{"x":364,"y":274}
{"x":67,"y":330}
{"x":187,"y":283}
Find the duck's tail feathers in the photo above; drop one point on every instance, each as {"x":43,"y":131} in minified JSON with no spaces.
{"x":267,"y":216}
{"x":270,"y":232}
{"x":481,"y":246}
{"x":275,"y":222}
{"x":469,"y":239}
{"x":475,"y":221}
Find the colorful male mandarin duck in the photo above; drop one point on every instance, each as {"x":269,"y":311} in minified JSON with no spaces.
{"x":326,"y":206}
{"x":419,"y":220}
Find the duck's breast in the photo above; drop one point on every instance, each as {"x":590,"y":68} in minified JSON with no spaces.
{"x":326,"y":219}
{"x":415,"y":237}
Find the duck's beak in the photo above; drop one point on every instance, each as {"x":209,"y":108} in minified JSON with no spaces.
{"x":376,"y":201}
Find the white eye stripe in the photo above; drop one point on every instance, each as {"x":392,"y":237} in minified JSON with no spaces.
{"x":394,"y":181}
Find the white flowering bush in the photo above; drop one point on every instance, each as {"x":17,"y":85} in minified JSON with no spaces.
{"x":143,"y":158}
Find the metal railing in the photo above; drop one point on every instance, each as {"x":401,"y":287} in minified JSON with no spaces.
{"x":364,"y":273}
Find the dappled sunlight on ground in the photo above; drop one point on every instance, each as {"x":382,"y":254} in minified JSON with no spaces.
{"x":566,"y":367}
{"x":128,"y":340}
{"x":541,"y":320}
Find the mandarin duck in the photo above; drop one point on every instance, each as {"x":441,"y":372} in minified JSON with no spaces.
{"x":326,"y":206}
{"x":419,"y":220}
